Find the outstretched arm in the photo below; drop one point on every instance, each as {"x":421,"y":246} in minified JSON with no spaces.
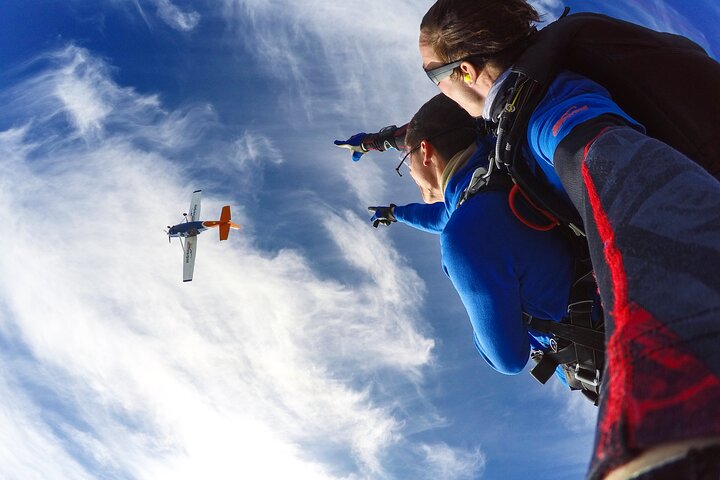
{"x":429,"y":218}
{"x":361,"y":143}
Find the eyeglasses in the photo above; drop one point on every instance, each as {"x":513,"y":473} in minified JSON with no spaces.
{"x":406,"y":159}
{"x":438,"y":74}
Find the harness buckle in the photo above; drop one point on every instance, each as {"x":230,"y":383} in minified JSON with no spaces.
{"x":589,"y":377}
{"x":576,"y":230}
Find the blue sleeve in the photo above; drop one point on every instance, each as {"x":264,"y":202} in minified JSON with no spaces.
{"x":482,"y":273}
{"x":429,"y":218}
{"x":571,"y":100}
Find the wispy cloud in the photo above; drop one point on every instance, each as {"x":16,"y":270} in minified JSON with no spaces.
{"x":261,"y":365}
{"x":367,"y":54}
{"x":29,"y":446}
{"x":578,"y":415}
{"x":452,"y":463}
{"x":176,"y":18}
{"x":250,"y":155}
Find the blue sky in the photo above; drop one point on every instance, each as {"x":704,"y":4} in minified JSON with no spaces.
{"x":310,"y":345}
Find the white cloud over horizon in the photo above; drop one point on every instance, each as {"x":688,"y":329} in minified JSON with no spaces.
{"x":262,"y":365}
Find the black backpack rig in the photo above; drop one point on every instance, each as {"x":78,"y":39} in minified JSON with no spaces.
{"x":646,"y":73}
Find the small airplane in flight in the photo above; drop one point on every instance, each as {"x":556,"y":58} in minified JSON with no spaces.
{"x":192,"y":227}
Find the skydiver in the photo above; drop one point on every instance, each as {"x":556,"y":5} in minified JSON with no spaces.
{"x":652,"y":219}
{"x":504,"y":271}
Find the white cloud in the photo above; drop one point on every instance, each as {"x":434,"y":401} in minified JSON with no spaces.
{"x":370,"y":186}
{"x":254,"y":148}
{"x":77,"y":88}
{"x":442,"y":461}
{"x":176,"y":18}
{"x":250,"y":155}
{"x":261,"y":366}
{"x":577,"y":414}
{"x":367,"y":51}
{"x":33,"y":451}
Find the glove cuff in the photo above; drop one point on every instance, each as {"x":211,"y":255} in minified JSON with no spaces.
{"x":391,"y":213}
{"x":388,"y":137}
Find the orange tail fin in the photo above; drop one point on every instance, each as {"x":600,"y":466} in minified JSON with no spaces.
{"x":225,"y":224}
{"x":224,"y":231}
{"x":225,"y":215}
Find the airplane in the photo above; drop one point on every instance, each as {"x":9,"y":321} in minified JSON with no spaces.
{"x":192,"y":227}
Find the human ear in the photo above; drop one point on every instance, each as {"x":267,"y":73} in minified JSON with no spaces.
{"x":470,"y":72}
{"x":428,"y":151}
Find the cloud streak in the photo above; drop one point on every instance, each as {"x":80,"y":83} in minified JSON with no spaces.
{"x":361,"y":51}
{"x":176,"y":18}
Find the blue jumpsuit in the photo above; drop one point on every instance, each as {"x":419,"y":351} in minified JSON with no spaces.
{"x":498,"y":266}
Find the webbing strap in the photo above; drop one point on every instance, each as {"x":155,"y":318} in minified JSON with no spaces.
{"x":583,"y":336}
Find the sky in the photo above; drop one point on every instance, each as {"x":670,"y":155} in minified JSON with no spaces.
{"x":309,"y":345}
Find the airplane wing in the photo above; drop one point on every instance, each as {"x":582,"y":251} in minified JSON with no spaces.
{"x":189,"y":258}
{"x":195,"y":206}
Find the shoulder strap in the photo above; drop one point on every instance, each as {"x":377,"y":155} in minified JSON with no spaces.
{"x":521,"y":99}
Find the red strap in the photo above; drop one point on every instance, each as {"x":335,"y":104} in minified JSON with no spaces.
{"x":552,"y":221}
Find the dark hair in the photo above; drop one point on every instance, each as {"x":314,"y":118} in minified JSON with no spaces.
{"x":492,"y":30}
{"x":444,"y":124}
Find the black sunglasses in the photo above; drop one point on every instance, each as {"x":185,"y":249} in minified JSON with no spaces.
{"x":438,"y":74}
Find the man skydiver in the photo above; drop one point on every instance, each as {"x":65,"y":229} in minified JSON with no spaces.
{"x":652,"y":219}
{"x":500,"y":268}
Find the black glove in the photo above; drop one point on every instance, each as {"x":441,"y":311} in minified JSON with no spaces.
{"x":383,"y":215}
